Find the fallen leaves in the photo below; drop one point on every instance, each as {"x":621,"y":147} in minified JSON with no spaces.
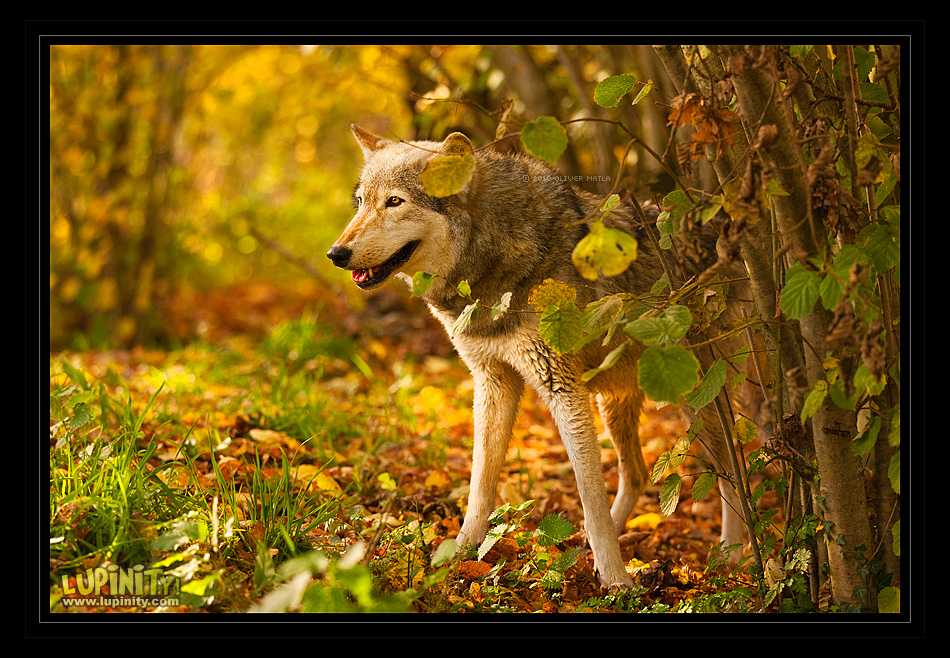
{"x":388,"y":463}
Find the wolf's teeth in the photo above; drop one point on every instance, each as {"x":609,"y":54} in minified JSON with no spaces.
{"x":361,"y":276}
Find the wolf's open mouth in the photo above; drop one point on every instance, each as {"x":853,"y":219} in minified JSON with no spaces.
{"x":375,"y":276}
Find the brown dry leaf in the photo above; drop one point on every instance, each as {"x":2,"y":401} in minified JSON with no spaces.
{"x":256,"y":531}
{"x":452,"y":526}
{"x":713,"y":124}
{"x":472,"y":570}
{"x":504,"y":549}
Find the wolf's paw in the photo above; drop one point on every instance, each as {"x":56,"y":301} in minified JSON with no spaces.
{"x":470,"y":537}
{"x":615,"y":579}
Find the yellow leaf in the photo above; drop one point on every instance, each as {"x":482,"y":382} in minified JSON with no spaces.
{"x":604,"y":251}
{"x":431,"y":399}
{"x":647,"y":521}
{"x":551,"y":293}
{"x":437,"y":479}
{"x":448,"y":174}
{"x":317,"y":479}
{"x":273,"y":437}
{"x":635,"y":565}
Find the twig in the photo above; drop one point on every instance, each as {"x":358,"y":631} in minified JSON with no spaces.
{"x":285,"y":253}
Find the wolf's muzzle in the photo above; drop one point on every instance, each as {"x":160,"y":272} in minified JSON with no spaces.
{"x":339,"y":255}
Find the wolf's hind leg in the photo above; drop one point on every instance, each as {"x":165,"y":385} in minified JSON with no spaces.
{"x":498,"y":391}
{"x":733,"y":527}
{"x":621,"y":416}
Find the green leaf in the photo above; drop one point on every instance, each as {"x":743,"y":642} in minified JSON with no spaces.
{"x":772,"y":188}
{"x":610,"y":90}
{"x":74,"y":374}
{"x":703,"y":485}
{"x":552,"y":579}
{"x":607,"y":363}
{"x":465,"y":318}
{"x":744,"y":430}
{"x":675,"y":456}
{"x":680,"y":451}
{"x":500,"y":308}
{"x":889,"y":600}
{"x":814,"y":399}
{"x":894,"y":472}
{"x":464,"y":289}
{"x":446,"y":175}
{"x":567,"y":559}
{"x":561,"y":326}
{"x":553,"y":529}
{"x":444,"y":553}
{"x":883,"y":247}
{"x":199,"y":587}
{"x":864,"y":443}
{"x":544,"y":138}
{"x":676,"y":204}
{"x":610,"y":203}
{"x":643,"y":93}
{"x":670,"y":494}
{"x":833,"y":284}
{"x":82,"y":416}
{"x":865,"y":381}
{"x":894,"y":435}
{"x":668,"y":328}
{"x":802,"y":287}
{"x":491,"y":538}
{"x":603,"y":250}
{"x":603,"y":313}
{"x":660,"y":467}
{"x":421,"y":282}
{"x":885,"y":189}
{"x":667,"y":373}
{"x":180,"y":533}
{"x":709,"y":387}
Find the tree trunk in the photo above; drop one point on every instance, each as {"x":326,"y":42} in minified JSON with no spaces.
{"x":842,"y":492}
{"x":839,"y":470}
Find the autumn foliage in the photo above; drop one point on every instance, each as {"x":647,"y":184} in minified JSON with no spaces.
{"x":223,"y":409}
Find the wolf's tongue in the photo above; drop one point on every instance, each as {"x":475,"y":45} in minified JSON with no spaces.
{"x":362,"y":275}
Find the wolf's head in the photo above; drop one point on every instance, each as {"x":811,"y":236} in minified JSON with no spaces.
{"x":398,"y":228}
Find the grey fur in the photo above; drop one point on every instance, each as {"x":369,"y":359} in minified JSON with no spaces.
{"x":515,"y":225}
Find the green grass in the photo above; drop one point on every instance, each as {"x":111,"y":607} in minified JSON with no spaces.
{"x":285,"y":476}
{"x":144,"y":470}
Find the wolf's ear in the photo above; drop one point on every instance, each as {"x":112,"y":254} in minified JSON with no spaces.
{"x":369,"y":142}
{"x":455,"y":144}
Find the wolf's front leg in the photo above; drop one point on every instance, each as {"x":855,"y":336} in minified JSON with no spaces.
{"x":498,"y":391}
{"x":575,"y":419}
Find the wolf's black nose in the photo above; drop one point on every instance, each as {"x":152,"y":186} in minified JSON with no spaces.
{"x":339,"y":255}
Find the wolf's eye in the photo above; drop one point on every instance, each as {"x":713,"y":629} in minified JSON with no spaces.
{"x":393,"y":201}
{"x":359,"y":201}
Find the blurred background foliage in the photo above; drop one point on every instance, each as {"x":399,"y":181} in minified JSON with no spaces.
{"x":179,"y":172}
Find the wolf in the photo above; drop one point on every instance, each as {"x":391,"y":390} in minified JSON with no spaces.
{"x":513,"y":226}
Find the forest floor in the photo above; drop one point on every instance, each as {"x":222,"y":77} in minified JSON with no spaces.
{"x":288,"y":423}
